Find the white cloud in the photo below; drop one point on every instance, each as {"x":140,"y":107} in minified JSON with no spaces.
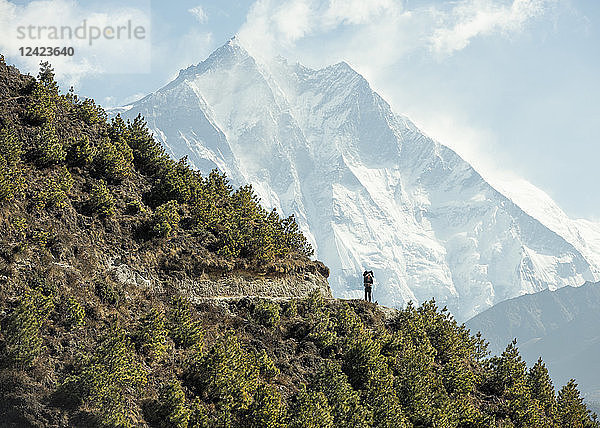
{"x":110,"y":101}
{"x":375,"y":36}
{"x":475,"y":145}
{"x":199,"y":14}
{"x":179,"y":53}
{"x":293,"y":20}
{"x":133,"y":98}
{"x":472,"y":18}
{"x":383,"y":30}
{"x":272,"y":26}
{"x":357,"y":11}
{"x":93,"y":53}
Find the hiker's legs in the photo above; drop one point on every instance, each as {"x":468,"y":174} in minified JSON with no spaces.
{"x":369,"y":295}
{"x":366,"y":294}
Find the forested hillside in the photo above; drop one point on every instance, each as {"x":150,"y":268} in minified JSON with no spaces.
{"x":80,"y":347}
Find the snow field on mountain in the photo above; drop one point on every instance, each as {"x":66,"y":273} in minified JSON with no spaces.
{"x":368,"y":188}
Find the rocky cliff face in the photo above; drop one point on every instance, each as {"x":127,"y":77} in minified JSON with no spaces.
{"x":368,"y":188}
{"x":280,"y":287}
{"x":276,"y":286}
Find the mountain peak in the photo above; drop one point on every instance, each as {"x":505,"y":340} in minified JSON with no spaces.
{"x":229,"y":53}
{"x":343,"y":65}
{"x":369,"y":189}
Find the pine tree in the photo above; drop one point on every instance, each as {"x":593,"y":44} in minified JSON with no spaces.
{"x":344,"y":401}
{"x":226,"y":376}
{"x":149,"y":155}
{"x":165,"y":220}
{"x":81,"y":152}
{"x":172,"y":410}
{"x":45,"y":97}
{"x":508,"y":379}
{"x":310,"y":410}
{"x":151,"y":335}
{"x":46,"y":77}
{"x":74,"y":313}
{"x":48,"y":150}
{"x":571,"y":411}
{"x":22,"y":338}
{"x":542,"y":389}
{"x":101,"y":200}
{"x":267,"y":409}
{"x":11,"y":180}
{"x":110,"y":378}
{"x":113,"y":161}
{"x":184,"y":331}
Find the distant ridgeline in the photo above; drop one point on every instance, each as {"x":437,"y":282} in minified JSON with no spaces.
{"x":104,"y":241}
{"x":560,"y":325}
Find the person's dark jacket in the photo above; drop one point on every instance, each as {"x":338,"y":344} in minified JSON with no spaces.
{"x":368,"y":278}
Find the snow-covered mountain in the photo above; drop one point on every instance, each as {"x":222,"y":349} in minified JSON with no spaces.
{"x":368,"y":188}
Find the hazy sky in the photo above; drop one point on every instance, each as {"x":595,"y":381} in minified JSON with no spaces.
{"x":512,"y":85}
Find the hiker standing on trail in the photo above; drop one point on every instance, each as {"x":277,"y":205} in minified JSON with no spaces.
{"x":368,"y":281}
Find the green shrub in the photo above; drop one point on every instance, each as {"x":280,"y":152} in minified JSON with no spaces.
{"x":165,"y":219}
{"x":11,"y":148}
{"x":266,"y":366}
{"x":54,"y":193}
{"x":386,"y":407}
{"x":135,"y":207}
{"x":290,"y":309}
{"x":108,"y":291}
{"x":362,"y":360}
{"x":198,"y":415}
{"x":40,"y":282}
{"x":323,"y":333}
{"x":101,"y":201}
{"x":81,"y":152}
{"x":226,"y":376}
{"x":184,"y":331}
{"x":11,"y":177}
{"x":74,"y":313}
{"x":113,"y":161}
{"x":172,"y":410}
{"x":110,"y":379}
{"x":267,"y":409}
{"x":345,"y":402}
{"x":19,"y":225}
{"x":40,"y":237}
{"x":314,"y":303}
{"x":175,"y":181}
{"x":310,"y":410}
{"x":47,"y":149}
{"x":11,"y":181}
{"x":347,"y":324}
{"x":266,"y":312}
{"x":412,"y":362}
{"x":151,"y":334}
{"x":22,"y":336}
